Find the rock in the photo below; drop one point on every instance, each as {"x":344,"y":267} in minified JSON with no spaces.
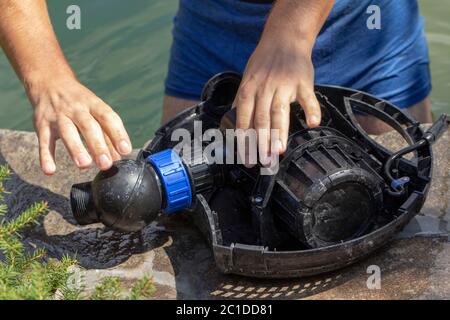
{"x":435,"y":214}
{"x":172,"y":251}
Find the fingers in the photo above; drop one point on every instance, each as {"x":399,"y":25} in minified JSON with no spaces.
{"x":72,"y":141}
{"x":93,"y":136}
{"x":279,"y":120}
{"x":262,"y":124}
{"x":112,"y":150}
{"x":113,"y":126}
{"x":308,"y":100}
{"x":99,"y":143}
{"x":267,"y":112}
{"x":73,"y":112}
{"x":47,"y":142}
{"x":245,"y":103}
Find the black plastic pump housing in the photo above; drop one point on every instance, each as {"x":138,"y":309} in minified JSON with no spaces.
{"x":338,"y":195}
{"x":127,"y":197}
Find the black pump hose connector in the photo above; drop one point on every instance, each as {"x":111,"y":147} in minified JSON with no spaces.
{"x":127,"y":197}
{"x":132,"y":193}
{"x":398,"y":185}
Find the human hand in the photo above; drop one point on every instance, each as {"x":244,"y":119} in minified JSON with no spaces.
{"x":64,"y":108}
{"x":279,"y":72}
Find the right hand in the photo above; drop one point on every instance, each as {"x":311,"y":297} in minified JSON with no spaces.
{"x":64,"y":108}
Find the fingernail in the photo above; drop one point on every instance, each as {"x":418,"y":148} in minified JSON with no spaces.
{"x":314,"y":120}
{"x":124,"y":147}
{"x":104,"y":161}
{"x":249,"y":165}
{"x":278,"y":147}
{"x":265,"y":160}
{"x":248,"y":159}
{"x":49,"y":168}
{"x":83,"y":160}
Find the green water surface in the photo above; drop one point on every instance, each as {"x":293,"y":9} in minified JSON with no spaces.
{"x":122,"y":50}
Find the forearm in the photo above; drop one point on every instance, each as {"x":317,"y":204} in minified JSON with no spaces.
{"x":297,"y":21}
{"x":62,"y":107}
{"x":28,"y":39}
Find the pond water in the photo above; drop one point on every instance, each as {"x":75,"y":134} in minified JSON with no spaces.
{"x":121,"y":53}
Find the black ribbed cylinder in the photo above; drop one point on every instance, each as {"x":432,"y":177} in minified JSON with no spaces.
{"x":82,"y":204}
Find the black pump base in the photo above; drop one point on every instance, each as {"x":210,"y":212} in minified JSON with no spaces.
{"x":227,"y":220}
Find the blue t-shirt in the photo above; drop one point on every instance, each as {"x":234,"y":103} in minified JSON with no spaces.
{"x":212,"y":36}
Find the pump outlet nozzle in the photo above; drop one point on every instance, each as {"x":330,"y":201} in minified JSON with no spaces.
{"x":127,"y":197}
{"x":132,"y":193}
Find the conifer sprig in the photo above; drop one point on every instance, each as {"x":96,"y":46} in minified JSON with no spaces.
{"x":31,"y":274}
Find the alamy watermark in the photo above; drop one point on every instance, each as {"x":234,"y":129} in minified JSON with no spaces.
{"x":230,"y":146}
{"x":374,"y":20}
{"x":73,"y":21}
{"x":374,"y":280}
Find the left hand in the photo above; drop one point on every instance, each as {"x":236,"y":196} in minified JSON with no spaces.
{"x":279,"y":72}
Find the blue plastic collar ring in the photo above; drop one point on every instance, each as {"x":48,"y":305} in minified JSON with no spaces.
{"x":398,"y":184}
{"x":174,"y":178}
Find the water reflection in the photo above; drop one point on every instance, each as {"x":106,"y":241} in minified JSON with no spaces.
{"x":121,"y":53}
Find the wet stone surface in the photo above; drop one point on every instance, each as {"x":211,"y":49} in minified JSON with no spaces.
{"x":416,"y":265}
